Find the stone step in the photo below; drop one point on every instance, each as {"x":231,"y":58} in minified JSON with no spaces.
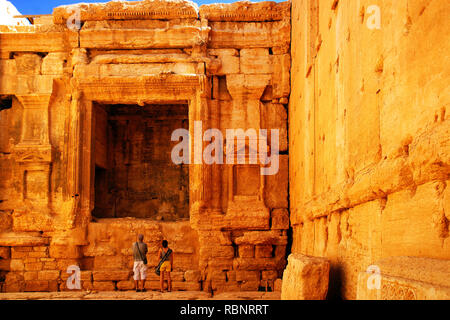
{"x":127,"y":295}
{"x":123,"y":275}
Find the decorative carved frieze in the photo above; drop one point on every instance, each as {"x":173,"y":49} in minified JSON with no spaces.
{"x":405,"y":278}
{"x":246,"y":11}
{"x":391,"y":290}
{"x":129,"y":10}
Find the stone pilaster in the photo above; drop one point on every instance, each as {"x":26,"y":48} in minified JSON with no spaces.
{"x":34,"y":156}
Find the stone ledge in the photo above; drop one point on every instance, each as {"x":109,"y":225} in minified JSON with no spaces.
{"x":273,"y":237}
{"x":426,"y":162}
{"x":22,"y":240}
{"x":37,"y":41}
{"x":122,"y":295}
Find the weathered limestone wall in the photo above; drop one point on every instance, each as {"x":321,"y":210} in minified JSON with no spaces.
{"x":369,"y":135}
{"x":229,"y":63}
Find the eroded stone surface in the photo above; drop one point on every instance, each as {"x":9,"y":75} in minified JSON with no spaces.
{"x":305,"y":278}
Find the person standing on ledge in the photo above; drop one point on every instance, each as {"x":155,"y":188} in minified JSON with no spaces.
{"x":140,"y":263}
{"x":166,"y":265}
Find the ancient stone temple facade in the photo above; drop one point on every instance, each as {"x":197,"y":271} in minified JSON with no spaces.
{"x":89,"y":100}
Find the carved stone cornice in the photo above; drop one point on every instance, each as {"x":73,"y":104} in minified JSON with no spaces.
{"x":129,"y":10}
{"x":249,"y":86}
{"x":33,"y":154}
{"x":34,"y":101}
{"x":245,"y":11}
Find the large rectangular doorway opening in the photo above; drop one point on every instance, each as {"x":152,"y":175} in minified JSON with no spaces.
{"x":134,"y":173}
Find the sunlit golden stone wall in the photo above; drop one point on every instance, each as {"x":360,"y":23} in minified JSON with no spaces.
{"x":369,"y":133}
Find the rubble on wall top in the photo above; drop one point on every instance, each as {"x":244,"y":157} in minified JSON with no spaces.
{"x":8,"y":12}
